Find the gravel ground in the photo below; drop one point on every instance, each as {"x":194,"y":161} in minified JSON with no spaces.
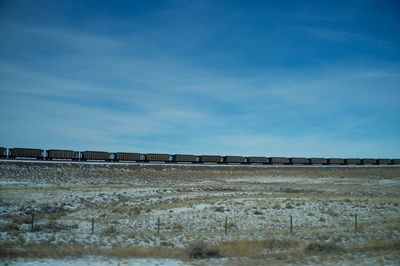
{"x":226,"y":207}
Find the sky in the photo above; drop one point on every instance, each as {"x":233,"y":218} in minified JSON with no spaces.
{"x":265,"y":78}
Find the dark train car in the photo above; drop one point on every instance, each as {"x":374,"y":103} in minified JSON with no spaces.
{"x":184,"y":158}
{"x":368,"y":161}
{"x":62,"y":154}
{"x":317,"y":161}
{"x":158,"y":157}
{"x":211,"y":159}
{"x":234,"y":159}
{"x":352,"y":161}
{"x":257,"y":160}
{"x":335,"y":161}
{"x":395,"y":161}
{"x":298,"y":160}
{"x":278,"y":160}
{"x":26,"y":153}
{"x":383,"y":161}
{"x":96,"y":156}
{"x":3,"y":152}
{"x":127,"y":156}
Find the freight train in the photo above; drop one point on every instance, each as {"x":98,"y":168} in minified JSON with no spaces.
{"x":29,"y":153}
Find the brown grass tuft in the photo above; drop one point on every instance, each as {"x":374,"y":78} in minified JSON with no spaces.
{"x":110,"y":230}
{"x":323,"y":247}
{"x":21,"y":219}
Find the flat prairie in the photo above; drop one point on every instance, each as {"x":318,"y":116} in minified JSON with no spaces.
{"x":198,"y":215}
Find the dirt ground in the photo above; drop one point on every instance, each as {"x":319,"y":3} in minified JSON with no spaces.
{"x":199,"y":215}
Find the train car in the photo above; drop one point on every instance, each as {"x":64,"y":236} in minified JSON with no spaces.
{"x":127,"y":156}
{"x":62,"y":154}
{"x":335,"y":161}
{"x":26,"y":153}
{"x":352,"y":161}
{"x":383,"y":161}
{"x":257,"y":160}
{"x":234,"y":159}
{"x":211,"y":159}
{"x":158,"y":157}
{"x":395,"y":161}
{"x":96,"y":156}
{"x":184,"y":158}
{"x":368,"y":161}
{"x":278,"y":160}
{"x":298,"y":160}
{"x":317,"y":161}
{"x":3,"y":152}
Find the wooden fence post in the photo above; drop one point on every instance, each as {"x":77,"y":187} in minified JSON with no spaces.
{"x":158,"y":226}
{"x":355,"y":223}
{"x":32,"y":219}
{"x":226,"y":225}
{"x":92,"y":225}
{"x":291,"y":224}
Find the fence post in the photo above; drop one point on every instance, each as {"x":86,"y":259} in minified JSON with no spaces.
{"x":291,"y":224}
{"x":355,"y":223}
{"x":32,"y":219}
{"x":92,"y":225}
{"x":226,"y":225}
{"x":158,"y":226}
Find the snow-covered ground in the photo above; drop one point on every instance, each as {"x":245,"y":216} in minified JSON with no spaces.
{"x":214,"y":204}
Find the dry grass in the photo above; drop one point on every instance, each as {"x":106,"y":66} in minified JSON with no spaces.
{"x":241,"y":248}
{"x":22,"y":219}
{"x":202,"y":250}
{"x":178,"y":227}
{"x":276,"y":249}
{"x":247,"y":248}
{"x":43,"y":250}
{"x":195,"y":250}
{"x":323,"y":247}
{"x":11,"y":229}
{"x":157,"y":252}
{"x":110,"y":231}
{"x":381,"y":244}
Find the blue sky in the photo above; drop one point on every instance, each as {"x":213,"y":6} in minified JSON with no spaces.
{"x":272,"y":78}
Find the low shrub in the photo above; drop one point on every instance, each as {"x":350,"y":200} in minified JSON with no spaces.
{"x":201,"y":250}
{"x":322,"y":247}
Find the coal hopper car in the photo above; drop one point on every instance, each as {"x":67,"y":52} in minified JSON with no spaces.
{"x":158,"y":157}
{"x":278,"y":160}
{"x":26,"y":153}
{"x":317,"y":161}
{"x":128,"y":157}
{"x":298,"y":160}
{"x":96,"y":156}
{"x":62,"y":155}
{"x":211,"y":159}
{"x":257,"y":160}
{"x":338,"y":161}
{"x":3,"y":152}
{"x":368,"y":161}
{"x":234,"y":159}
{"x":185,"y":158}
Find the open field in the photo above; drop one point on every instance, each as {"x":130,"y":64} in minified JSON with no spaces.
{"x":219,"y":215}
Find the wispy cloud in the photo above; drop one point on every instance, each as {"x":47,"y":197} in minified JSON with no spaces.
{"x":335,"y":35}
{"x":308,"y":146}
